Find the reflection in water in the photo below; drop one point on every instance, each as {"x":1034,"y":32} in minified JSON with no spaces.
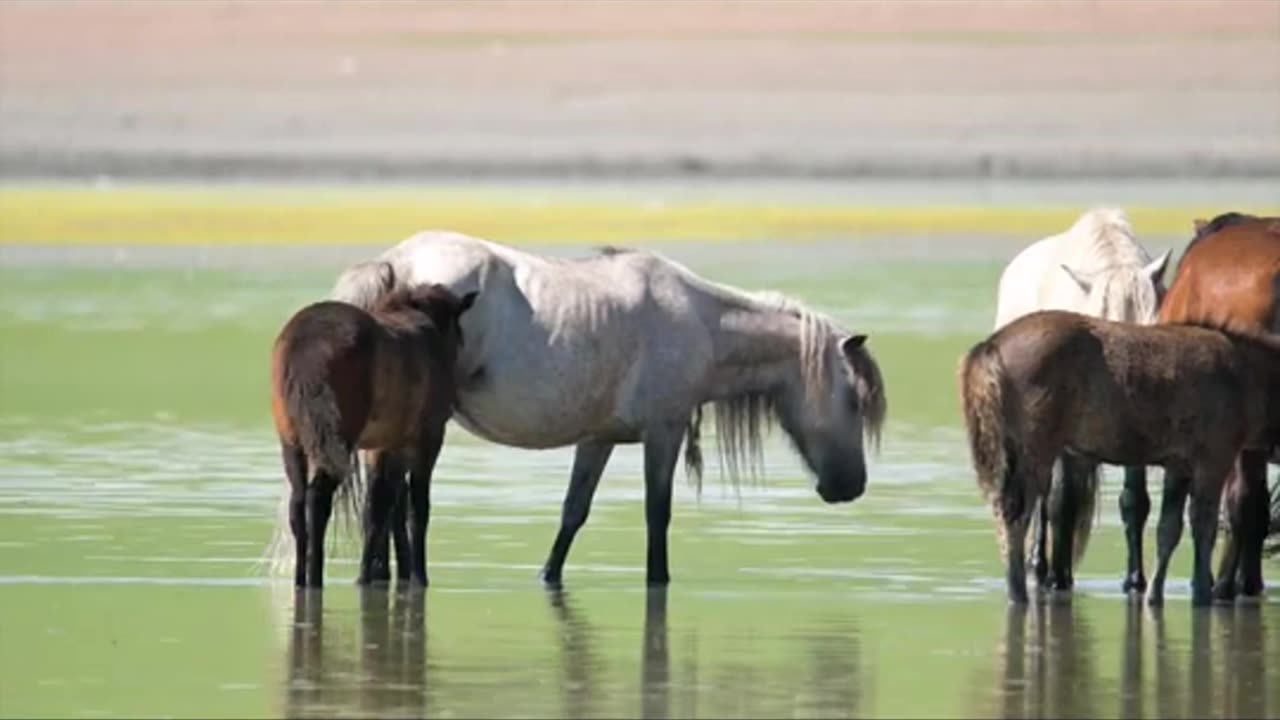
{"x":1049,"y":666}
{"x":579,"y":662}
{"x":1208,"y":663}
{"x":655,"y":659}
{"x":385,"y":677}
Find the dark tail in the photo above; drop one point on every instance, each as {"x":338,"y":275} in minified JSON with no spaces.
{"x":982,"y":394}
{"x":990,"y":418}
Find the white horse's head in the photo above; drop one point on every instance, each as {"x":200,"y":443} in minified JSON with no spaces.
{"x":1123,"y":293}
{"x":843,"y":402}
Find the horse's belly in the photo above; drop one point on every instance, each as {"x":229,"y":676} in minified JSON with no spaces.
{"x":516,"y":419}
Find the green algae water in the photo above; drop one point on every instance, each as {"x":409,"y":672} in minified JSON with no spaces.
{"x":139,"y":477}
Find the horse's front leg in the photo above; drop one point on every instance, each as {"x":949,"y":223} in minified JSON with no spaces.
{"x":424,"y":462}
{"x":1135,"y":506}
{"x":661,"y":450}
{"x":589,"y":460}
{"x":1172,"y":507}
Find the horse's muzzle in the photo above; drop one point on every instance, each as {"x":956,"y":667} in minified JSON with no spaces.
{"x":843,"y":492}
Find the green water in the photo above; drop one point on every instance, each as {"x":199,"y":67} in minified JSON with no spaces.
{"x":139,"y":476}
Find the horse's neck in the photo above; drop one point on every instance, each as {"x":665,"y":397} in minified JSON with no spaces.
{"x":756,"y":350}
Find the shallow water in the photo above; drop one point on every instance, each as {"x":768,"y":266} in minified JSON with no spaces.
{"x":139,"y":475}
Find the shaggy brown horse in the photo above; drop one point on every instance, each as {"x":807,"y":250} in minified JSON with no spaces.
{"x":343,"y":378}
{"x":1230,"y":276}
{"x":1187,"y":398}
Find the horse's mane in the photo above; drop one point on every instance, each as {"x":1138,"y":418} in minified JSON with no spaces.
{"x":741,"y":420}
{"x":1225,"y":220}
{"x":1111,"y":239}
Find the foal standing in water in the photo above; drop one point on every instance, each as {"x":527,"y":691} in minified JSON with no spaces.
{"x":1098,"y":268}
{"x":344,"y":378}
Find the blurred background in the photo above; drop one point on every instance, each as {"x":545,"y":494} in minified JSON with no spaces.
{"x":860,"y":103}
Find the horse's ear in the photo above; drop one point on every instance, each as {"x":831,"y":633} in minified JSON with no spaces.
{"x":852,"y":344}
{"x":1155,"y":268}
{"x":467,"y":301}
{"x":1085,"y":283}
{"x":1199,"y":224}
{"x":386,"y":276}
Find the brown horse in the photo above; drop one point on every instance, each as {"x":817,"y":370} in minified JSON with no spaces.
{"x":1228,"y":276}
{"x":343,"y":378}
{"x":1054,"y":383}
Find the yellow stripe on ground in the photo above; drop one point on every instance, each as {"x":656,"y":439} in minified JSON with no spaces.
{"x":252,"y":216}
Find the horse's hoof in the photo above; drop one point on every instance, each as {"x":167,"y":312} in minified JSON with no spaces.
{"x":1224,"y":591}
{"x":1202,"y":598}
{"x":1155,"y":599}
{"x":1252,"y":589}
{"x":552,"y":583}
{"x":1135,"y":583}
{"x":658,"y":581}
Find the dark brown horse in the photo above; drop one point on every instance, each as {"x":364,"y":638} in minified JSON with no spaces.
{"x":343,"y":378}
{"x":1187,"y":398}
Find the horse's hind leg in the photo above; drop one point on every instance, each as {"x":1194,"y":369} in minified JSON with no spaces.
{"x":1172,"y":506}
{"x":295,"y":470}
{"x":1229,"y":567}
{"x":424,"y":462}
{"x":386,"y":473}
{"x":1065,"y":505}
{"x":1135,"y":506}
{"x":1255,"y":518}
{"x":589,"y":460}
{"x":319,"y":509}
{"x":1206,"y":498}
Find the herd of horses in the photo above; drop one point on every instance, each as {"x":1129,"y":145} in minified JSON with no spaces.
{"x":1092,"y":361}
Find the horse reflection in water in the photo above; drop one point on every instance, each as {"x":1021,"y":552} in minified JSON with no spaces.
{"x":1050,"y":667}
{"x":674,"y":682}
{"x":382,"y":673}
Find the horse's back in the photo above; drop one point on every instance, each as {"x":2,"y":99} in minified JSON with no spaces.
{"x":326,"y":344}
{"x":1230,"y":277}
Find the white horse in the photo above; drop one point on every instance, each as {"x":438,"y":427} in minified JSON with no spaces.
{"x":626,"y":347}
{"x":1098,"y":268}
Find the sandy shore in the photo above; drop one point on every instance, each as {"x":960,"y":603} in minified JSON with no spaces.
{"x":415,"y":91}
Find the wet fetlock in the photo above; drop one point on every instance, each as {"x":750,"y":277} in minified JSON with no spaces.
{"x":1225,"y":590}
{"x":1135,"y":582}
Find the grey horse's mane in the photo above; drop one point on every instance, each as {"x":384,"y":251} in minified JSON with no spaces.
{"x":741,"y":420}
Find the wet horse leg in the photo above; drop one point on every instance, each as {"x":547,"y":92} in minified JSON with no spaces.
{"x":1229,"y":567}
{"x":661,"y":450}
{"x":589,"y":460}
{"x":295,"y":470}
{"x":1255,"y":519}
{"x":1013,"y":509}
{"x":386,"y":473}
{"x":1172,"y":506}
{"x":1135,"y":506}
{"x":1065,"y":507}
{"x":319,"y":509}
{"x":400,"y":528}
{"x":1206,"y":498}
{"x":424,"y":462}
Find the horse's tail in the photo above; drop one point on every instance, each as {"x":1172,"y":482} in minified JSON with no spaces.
{"x":312,"y":419}
{"x":693,"y":448}
{"x":983,"y":391}
{"x":1087,"y":489}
